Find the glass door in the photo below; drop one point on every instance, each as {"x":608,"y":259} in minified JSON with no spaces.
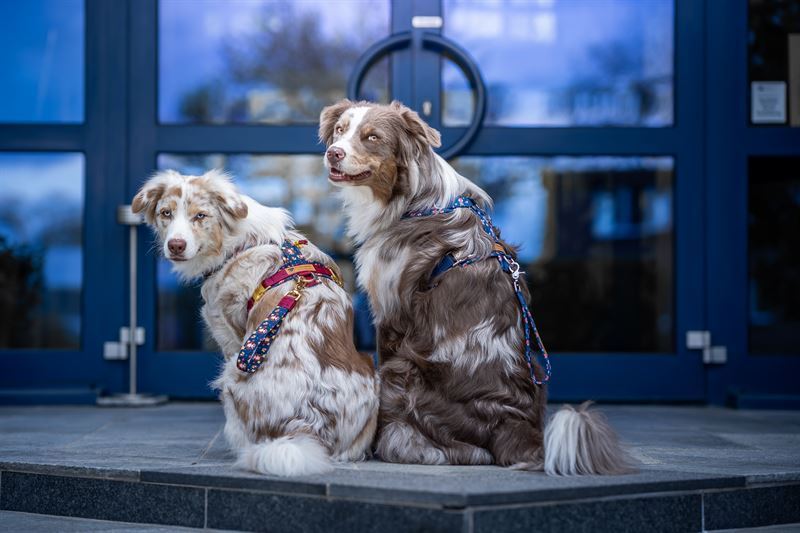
{"x":591,"y":145}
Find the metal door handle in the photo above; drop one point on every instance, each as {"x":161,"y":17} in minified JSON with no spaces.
{"x":444,"y":46}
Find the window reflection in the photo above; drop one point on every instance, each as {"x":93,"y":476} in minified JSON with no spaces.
{"x":266,"y":61}
{"x":41,"y":57}
{"x":595,"y":238}
{"x":774,"y":257}
{"x":294,"y":182}
{"x":564,"y":62}
{"x":41,"y":259}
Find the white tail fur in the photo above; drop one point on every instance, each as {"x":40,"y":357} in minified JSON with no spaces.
{"x":580,"y":442}
{"x":294,"y":455}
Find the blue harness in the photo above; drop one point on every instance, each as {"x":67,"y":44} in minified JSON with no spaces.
{"x":507,"y":263}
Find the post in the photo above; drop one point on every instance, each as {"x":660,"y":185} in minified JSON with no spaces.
{"x":133,"y":398}
{"x":132,"y":309}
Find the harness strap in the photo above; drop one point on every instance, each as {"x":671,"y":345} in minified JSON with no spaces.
{"x":255,"y":348}
{"x":308,"y":271}
{"x":507,"y":263}
{"x":306,"y":274}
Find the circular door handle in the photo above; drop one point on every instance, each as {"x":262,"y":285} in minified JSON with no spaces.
{"x":444,"y":46}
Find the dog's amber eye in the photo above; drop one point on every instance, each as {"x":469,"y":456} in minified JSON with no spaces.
{"x":373,"y":138}
{"x":339,"y":130}
{"x":166,"y":213}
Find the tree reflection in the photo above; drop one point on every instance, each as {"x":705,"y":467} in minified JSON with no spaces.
{"x":21,"y":286}
{"x":289,"y":68}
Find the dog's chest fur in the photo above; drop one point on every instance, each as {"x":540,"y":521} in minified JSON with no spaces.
{"x":226,"y":293}
{"x":379,"y":273}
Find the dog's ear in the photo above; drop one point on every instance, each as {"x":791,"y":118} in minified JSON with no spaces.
{"x":417,"y":127}
{"x":329,"y":117}
{"x":225,"y":194}
{"x":151,"y":192}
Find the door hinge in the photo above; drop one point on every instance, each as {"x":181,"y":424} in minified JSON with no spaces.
{"x":701,"y":340}
{"x":118,"y":350}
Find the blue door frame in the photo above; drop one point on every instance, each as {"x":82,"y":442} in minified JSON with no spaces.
{"x":710,"y":142}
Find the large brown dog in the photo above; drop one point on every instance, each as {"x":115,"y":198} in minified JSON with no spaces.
{"x":455,"y":386}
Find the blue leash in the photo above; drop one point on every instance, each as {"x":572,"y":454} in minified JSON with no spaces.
{"x":507,"y":263}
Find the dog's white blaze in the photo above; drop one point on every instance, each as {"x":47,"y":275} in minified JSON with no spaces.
{"x":180,"y":227}
{"x":344,"y":142}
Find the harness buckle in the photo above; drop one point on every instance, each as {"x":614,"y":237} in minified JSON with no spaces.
{"x":297,"y":291}
{"x":258,"y":293}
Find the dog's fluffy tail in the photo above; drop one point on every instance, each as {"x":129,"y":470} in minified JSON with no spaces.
{"x":580,"y":442}
{"x":292,"y":455}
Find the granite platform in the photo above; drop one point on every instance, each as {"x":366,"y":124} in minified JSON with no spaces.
{"x":701,"y":468}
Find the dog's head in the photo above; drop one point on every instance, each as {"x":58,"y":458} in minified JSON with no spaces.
{"x":192,"y":215}
{"x":373,"y":145}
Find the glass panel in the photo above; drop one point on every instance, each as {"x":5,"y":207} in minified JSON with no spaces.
{"x":774,"y":257}
{"x":564,"y":62}
{"x":295,"y":182}
{"x":41,"y":258}
{"x":41,"y":57}
{"x":265,"y":61}
{"x":774,"y":46}
{"x":596,"y":240}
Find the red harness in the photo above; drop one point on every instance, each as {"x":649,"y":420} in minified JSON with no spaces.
{"x":308,"y":272}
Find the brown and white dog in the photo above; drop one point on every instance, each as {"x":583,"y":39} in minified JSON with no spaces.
{"x":315,"y":399}
{"x":455,"y":388}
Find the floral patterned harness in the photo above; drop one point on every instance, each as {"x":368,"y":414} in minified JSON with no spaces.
{"x":306,"y":274}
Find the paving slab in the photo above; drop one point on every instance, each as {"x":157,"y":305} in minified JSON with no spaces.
{"x":706,"y":459}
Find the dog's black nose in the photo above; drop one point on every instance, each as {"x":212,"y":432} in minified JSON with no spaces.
{"x":335,"y":154}
{"x":176,"y":246}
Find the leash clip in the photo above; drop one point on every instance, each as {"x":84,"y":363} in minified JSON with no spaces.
{"x":514,"y":269}
{"x":297,"y":291}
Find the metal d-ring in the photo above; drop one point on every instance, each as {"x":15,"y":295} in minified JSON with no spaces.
{"x":444,"y":46}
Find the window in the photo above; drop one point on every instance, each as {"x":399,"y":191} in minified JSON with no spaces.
{"x":564,"y":63}
{"x":595,"y":236}
{"x":263,"y":61}
{"x":41,"y":43}
{"x":41,"y":259}
{"x":774,"y":257}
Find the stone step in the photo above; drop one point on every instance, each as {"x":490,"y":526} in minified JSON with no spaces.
{"x":375,"y":496}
